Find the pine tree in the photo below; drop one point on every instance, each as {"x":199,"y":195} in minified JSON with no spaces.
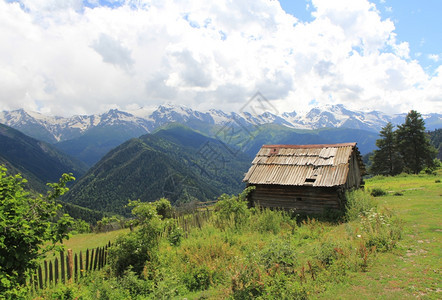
{"x":414,"y":144}
{"x":387,"y":160}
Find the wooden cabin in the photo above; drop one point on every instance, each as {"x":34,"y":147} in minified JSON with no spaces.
{"x":310,"y":179}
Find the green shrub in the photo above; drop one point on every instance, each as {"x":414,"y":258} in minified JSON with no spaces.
{"x":164,"y":208}
{"x":138,"y":247}
{"x":278,"y":252}
{"x":80,"y":226}
{"x":174,"y":233}
{"x":248,"y":281}
{"x":282,"y":286}
{"x":198,"y":278}
{"x":129,"y":250}
{"x":63,"y":292}
{"x":382,"y":231}
{"x":310,"y":229}
{"x":358,"y":202}
{"x":104,"y":288}
{"x":377,"y":192}
{"x":136,"y":286}
{"x":27,"y":226}
{"x":267,"y":220}
{"x":232,"y":210}
{"x":327,"y":252}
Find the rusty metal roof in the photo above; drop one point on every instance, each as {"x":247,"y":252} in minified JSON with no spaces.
{"x":323,"y":165}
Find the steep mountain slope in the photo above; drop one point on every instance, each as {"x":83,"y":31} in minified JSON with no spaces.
{"x":171,"y":163}
{"x":38,"y":161}
{"x":97,"y":141}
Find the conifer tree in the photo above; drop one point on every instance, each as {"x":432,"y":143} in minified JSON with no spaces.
{"x":387,"y":160}
{"x":414,"y":144}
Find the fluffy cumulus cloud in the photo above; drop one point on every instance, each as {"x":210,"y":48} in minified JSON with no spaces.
{"x":75,"y":57}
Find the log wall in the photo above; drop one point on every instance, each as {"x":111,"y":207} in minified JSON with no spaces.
{"x":354,"y":176}
{"x":303,"y":199}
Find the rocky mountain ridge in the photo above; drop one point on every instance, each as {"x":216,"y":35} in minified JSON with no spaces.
{"x":56,"y":129}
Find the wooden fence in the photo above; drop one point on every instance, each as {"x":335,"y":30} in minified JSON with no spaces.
{"x":69,"y":267}
{"x":193,"y":220}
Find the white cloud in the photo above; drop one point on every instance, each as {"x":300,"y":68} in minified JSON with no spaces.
{"x":64,"y":58}
{"x":113,"y":52}
{"x":434,"y":57}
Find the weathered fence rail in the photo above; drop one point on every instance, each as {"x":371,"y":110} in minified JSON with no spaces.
{"x":69,"y":267}
{"x":196,"y":219}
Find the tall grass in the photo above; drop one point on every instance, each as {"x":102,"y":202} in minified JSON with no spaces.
{"x":243,"y":253}
{"x":359,"y":202}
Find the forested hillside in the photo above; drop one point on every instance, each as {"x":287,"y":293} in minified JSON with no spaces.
{"x":38,"y":161}
{"x":436,"y":141}
{"x":97,"y":141}
{"x":177,"y":163}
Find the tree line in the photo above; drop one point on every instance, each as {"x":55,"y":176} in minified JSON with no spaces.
{"x":406,"y":149}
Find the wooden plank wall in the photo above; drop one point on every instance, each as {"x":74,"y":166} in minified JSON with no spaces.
{"x":308,"y":200}
{"x":354,"y":177}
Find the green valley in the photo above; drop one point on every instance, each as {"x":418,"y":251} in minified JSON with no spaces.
{"x":176,"y":162}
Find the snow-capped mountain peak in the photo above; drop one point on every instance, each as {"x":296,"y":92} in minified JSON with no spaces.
{"x":144,"y":120}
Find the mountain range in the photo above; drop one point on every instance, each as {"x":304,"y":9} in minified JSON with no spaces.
{"x":89,"y":137}
{"x":54,"y":129}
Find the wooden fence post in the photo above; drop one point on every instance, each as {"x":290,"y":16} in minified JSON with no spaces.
{"x":87,"y":260}
{"x":46,"y":273}
{"x":62,"y":269}
{"x":70,"y":265}
{"x":35,"y":279}
{"x":75,"y":268}
{"x":96,"y":258}
{"x":40,"y":278}
{"x":92,"y":260}
{"x":56,"y":270}
{"x":81,"y":265}
{"x":100,"y":259}
{"x":51,"y":274}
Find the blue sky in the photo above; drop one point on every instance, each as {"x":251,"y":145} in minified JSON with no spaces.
{"x":88,"y":56}
{"x":417,"y":22}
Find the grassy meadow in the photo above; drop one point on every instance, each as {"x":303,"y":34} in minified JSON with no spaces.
{"x":413,"y":269}
{"x":386,"y":247}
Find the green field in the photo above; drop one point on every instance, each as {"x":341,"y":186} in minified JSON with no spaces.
{"x":413,"y":269}
{"x":272,"y":257}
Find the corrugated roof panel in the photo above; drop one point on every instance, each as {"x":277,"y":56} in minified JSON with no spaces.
{"x":264,"y":151}
{"x":293,"y":164}
{"x":343,"y":155}
{"x":314,"y":151}
{"x":258,"y":159}
{"x":328,"y":152}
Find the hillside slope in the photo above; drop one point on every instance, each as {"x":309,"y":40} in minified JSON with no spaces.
{"x":38,"y":161}
{"x":167,"y":164}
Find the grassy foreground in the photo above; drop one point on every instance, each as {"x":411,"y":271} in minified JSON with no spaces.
{"x":413,"y":269}
{"x":390,"y":248}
